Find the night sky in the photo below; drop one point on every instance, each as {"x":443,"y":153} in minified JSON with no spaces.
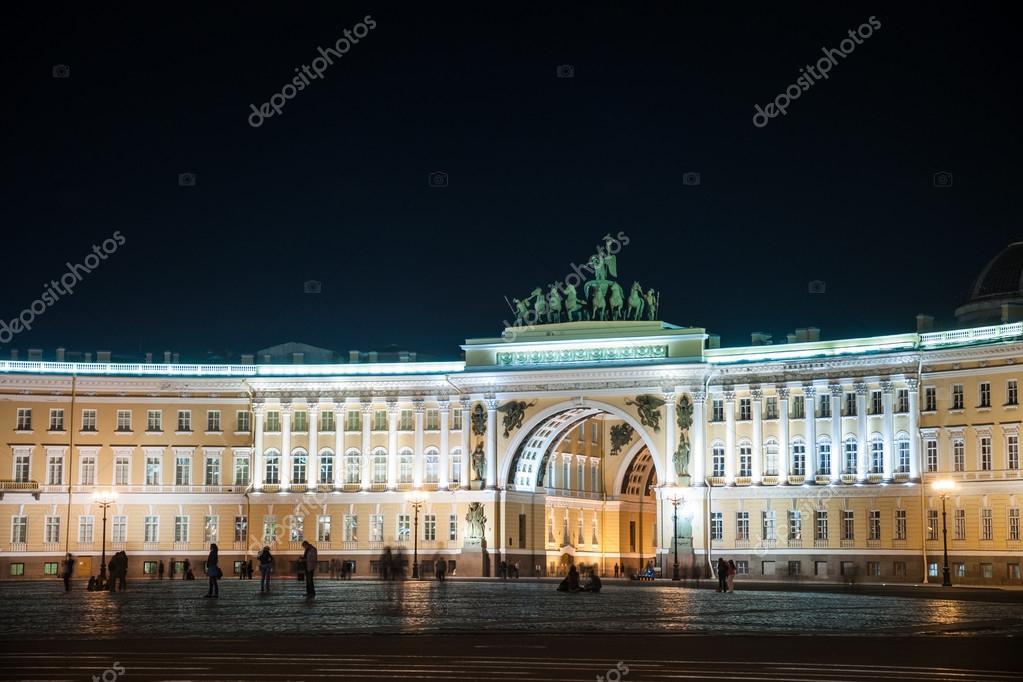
{"x":539,"y":168}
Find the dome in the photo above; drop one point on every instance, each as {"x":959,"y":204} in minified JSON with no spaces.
{"x":1000,"y":282}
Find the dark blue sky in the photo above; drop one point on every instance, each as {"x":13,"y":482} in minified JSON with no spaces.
{"x":540,"y":168}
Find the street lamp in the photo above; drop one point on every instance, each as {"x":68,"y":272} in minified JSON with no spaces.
{"x":104,"y":498}
{"x":416,"y":498}
{"x":944,"y":488}
{"x":674,"y":495}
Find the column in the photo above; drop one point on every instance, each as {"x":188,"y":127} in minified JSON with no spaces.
{"x":670,"y":443}
{"x":837,"y":438}
{"x":392,"y":444}
{"x":699,"y":454}
{"x":757,"y":397}
{"x":285,"y":445}
{"x":729,"y":437}
{"x":491,"y":443}
{"x":465,"y":441}
{"x":339,"y":445}
{"x":313,"y":461}
{"x":914,"y":429}
{"x":861,"y":432}
{"x":417,"y":452}
{"x":810,"y":407}
{"x":783,"y":435}
{"x":444,"y":463}
{"x":256,"y":475}
{"x":888,"y":429}
{"x":367,"y":461}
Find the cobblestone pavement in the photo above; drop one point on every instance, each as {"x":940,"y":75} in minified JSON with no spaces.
{"x":34,"y":610}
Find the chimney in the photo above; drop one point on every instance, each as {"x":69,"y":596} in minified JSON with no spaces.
{"x":102,"y":356}
{"x":1012,"y":312}
{"x":267,"y":359}
{"x":372,"y":356}
{"x":60,"y":354}
{"x":802,"y":335}
{"x":166,"y":357}
{"x":177,"y":358}
{"x":403,"y":356}
{"x":248,"y":358}
{"x":297,"y":358}
{"x":149,"y":358}
{"x":760,"y":339}
{"x":813,"y":334}
{"x":353,"y":356}
{"x":88,"y":357}
{"x":14,"y":354}
{"x":790,"y":338}
{"x":713,"y":341}
{"x":412,"y":356}
{"x":924,"y":323}
{"x":35,"y":354}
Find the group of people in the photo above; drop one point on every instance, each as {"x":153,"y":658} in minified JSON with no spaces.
{"x":726,"y":571}
{"x":571,"y":583}
{"x":508,"y":570}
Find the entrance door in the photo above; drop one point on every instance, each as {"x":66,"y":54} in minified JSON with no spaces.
{"x":83,"y":567}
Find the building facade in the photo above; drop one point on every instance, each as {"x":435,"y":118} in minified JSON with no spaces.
{"x":587,"y":442}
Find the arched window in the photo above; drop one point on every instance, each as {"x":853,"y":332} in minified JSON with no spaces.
{"x":824,"y":456}
{"x":326,"y":466}
{"x":353,"y":467}
{"x":798,"y":457}
{"x":770,"y":457}
{"x":405,"y":466}
{"x":876,"y":454}
{"x":745,"y":458}
{"x":272,"y":476}
{"x":717,"y":449}
{"x":902,"y":452}
{"x":851,"y":454}
{"x":432,"y":464}
{"x":379,"y":470}
{"x":455,"y":465}
{"x":298,"y":465}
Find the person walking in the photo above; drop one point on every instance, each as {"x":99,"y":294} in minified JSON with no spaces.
{"x":213,"y":572}
{"x":732,"y":570}
{"x":173,"y":566}
{"x":722,"y":575}
{"x":69,"y":568}
{"x":122,"y":570}
{"x":309,"y":559}
{"x":266,"y":562}
{"x":186,"y":569}
{"x":159,"y":570}
{"x":616,"y":570}
{"x":248,"y":569}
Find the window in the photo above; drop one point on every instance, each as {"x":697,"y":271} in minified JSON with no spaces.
{"x":213,"y":421}
{"x":798,"y":458}
{"x":380,"y":420}
{"x":825,"y":408}
{"x":87,"y":470}
{"x":984,"y":397}
{"x":820,"y":569}
{"x":771,"y":457}
{"x":824,"y":458}
{"x":19,"y":530}
{"x":1012,"y":392}
{"x":323,"y":529}
{"x":270,"y":529}
{"x":900,"y":524}
{"x":24,"y":419}
{"x":795,"y":525}
{"x":850,"y":404}
{"x":848,"y":525}
{"x":745,"y":460}
{"x":957,"y":396}
{"x":1012,"y":451}
{"x":798,"y":407}
{"x":433,"y":420}
{"x":795,"y":568}
{"x":431,"y":464}
{"x":209,"y":529}
{"x":241,"y":528}
{"x":354,"y":421}
{"x":717,"y":410}
{"x":405,"y":466}
{"x":745,"y":409}
{"x":55,"y":470}
{"x":273,"y":468}
{"x":1014,"y":524}
{"x":243,"y":421}
{"x":902,"y":454}
{"x":50,"y":568}
{"x":124,"y":421}
{"x":326,"y":468}
{"x":771,"y":408}
{"x":821,"y":525}
{"x":899,"y":569}
{"x":404,"y":527}
{"x":327,"y":421}
{"x":154,"y":421}
{"x":299,"y":459}
{"x":353,"y":467}
{"x":960,"y":524}
{"x":21,"y":467}
{"x":959,"y":569}
{"x":931,"y":450}
{"x":456,"y":419}
{"x":932,"y":524}
{"x":376,"y":528}
{"x":180,"y":529}
{"x":455,"y":464}
{"x":986,"y":530}
{"x":453,"y":527}
{"x":985,"y":453}
{"x":241,"y":470}
{"x":767,"y":567}
{"x":379,"y":467}
{"x":273,"y":421}
{"x":986,"y":570}
{"x":430,"y":527}
{"x":85,"y":526}
{"x":847,"y":568}
{"x":301,"y":422}
{"x":405,"y":420}
{"x":17,"y":568}
{"x":874,"y":568}
{"x":122,"y":465}
{"x":297,"y":524}
{"x":767,"y":525}
{"x":184,"y":421}
{"x":876,"y":455}
{"x":88,"y":420}
{"x":902,"y":401}
{"x":51,"y":529}
{"x":351,"y":528}
{"x":930,"y":399}
{"x":152,"y":470}
{"x":183,"y":470}
{"x":119,"y":529}
{"x":57,"y":420}
{"x":718,"y":454}
{"x":874,"y":527}
{"x":932,"y":569}
{"x":851,"y":455}
{"x":742,"y":525}
{"x":876,"y":406}
{"x":716,"y":526}
{"x":212,"y":470}
{"x":958,"y":454}
{"x":742,"y":567}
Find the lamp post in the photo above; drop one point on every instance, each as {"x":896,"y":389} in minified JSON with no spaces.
{"x":674,"y":495}
{"x":104,"y":499}
{"x":416,"y":499}
{"x":944,"y":488}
